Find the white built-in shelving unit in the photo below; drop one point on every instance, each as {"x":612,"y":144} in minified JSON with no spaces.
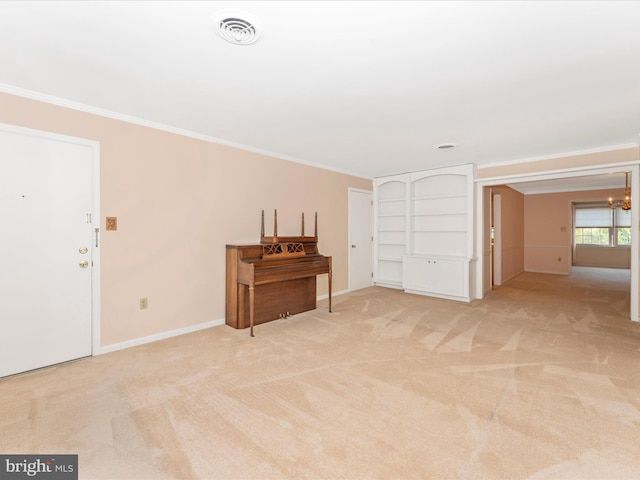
{"x":424,"y":231}
{"x":390,"y":198}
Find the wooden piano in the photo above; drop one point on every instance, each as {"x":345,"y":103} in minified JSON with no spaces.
{"x":273,"y":279}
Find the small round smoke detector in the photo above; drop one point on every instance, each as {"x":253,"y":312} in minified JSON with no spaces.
{"x":237,"y":27}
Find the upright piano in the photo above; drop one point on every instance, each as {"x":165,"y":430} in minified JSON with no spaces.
{"x":273,"y":279}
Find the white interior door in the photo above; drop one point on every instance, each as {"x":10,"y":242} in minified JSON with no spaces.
{"x":360,"y":239}
{"x":45,"y":288}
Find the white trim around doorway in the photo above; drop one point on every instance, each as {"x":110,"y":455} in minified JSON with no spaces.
{"x":633,"y":167}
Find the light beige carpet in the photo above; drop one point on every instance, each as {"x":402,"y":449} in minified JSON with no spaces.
{"x":540,"y":380}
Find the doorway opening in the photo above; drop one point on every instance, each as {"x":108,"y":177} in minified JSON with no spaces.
{"x":483,"y":199}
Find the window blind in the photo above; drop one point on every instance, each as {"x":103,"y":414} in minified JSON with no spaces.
{"x":594,"y":217}
{"x":623,"y":217}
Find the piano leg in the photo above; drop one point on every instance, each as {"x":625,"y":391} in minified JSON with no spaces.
{"x":251,"y":311}
{"x":330,"y":275}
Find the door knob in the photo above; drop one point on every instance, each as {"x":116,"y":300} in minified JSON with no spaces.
{"x":83,"y":264}
{"x":83,"y":250}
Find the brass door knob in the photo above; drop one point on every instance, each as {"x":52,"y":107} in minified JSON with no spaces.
{"x":83,"y":264}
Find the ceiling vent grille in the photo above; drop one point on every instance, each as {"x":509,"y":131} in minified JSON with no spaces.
{"x":237,"y":27}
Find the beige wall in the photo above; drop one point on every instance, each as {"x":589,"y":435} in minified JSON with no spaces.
{"x":594,"y":256}
{"x":548,"y":232}
{"x":178,"y":201}
{"x":512,"y":238}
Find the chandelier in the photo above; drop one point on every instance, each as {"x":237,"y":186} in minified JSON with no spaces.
{"x":624,"y":204}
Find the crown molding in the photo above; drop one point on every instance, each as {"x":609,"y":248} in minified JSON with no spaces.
{"x":553,"y":156}
{"x":62,"y":102}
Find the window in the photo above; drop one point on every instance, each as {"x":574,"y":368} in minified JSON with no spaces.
{"x":599,"y":224}
{"x":622,"y":225}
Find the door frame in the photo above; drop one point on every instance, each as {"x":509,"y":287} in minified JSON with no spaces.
{"x":95,"y":217}
{"x":633,"y":167}
{"x":368,"y":192}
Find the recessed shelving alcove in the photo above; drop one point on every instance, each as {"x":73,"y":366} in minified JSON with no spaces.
{"x":424,"y":231}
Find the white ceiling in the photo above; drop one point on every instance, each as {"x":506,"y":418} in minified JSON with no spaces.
{"x":368,"y":88}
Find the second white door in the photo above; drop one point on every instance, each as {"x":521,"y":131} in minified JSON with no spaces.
{"x":360,"y":239}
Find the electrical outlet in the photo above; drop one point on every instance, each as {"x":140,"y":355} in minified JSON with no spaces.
{"x":144,"y":304}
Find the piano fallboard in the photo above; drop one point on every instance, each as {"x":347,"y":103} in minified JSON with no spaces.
{"x":269,"y":271}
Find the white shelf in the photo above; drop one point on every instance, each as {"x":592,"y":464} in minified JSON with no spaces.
{"x":442,"y":214}
{"x":438,"y":197}
{"x":438,"y":230}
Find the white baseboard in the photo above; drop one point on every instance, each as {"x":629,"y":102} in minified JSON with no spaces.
{"x":333,"y":294}
{"x":547,"y":271}
{"x":180,"y":331}
{"x":505,"y":280}
{"x":159,"y":336}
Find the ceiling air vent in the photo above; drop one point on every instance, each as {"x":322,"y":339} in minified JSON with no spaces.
{"x":237,"y":27}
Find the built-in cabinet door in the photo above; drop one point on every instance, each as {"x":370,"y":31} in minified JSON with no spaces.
{"x":448,"y":277}
{"x":437,"y":276}
{"x":418,"y":274}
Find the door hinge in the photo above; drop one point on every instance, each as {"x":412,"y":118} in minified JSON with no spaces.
{"x":97,"y":232}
